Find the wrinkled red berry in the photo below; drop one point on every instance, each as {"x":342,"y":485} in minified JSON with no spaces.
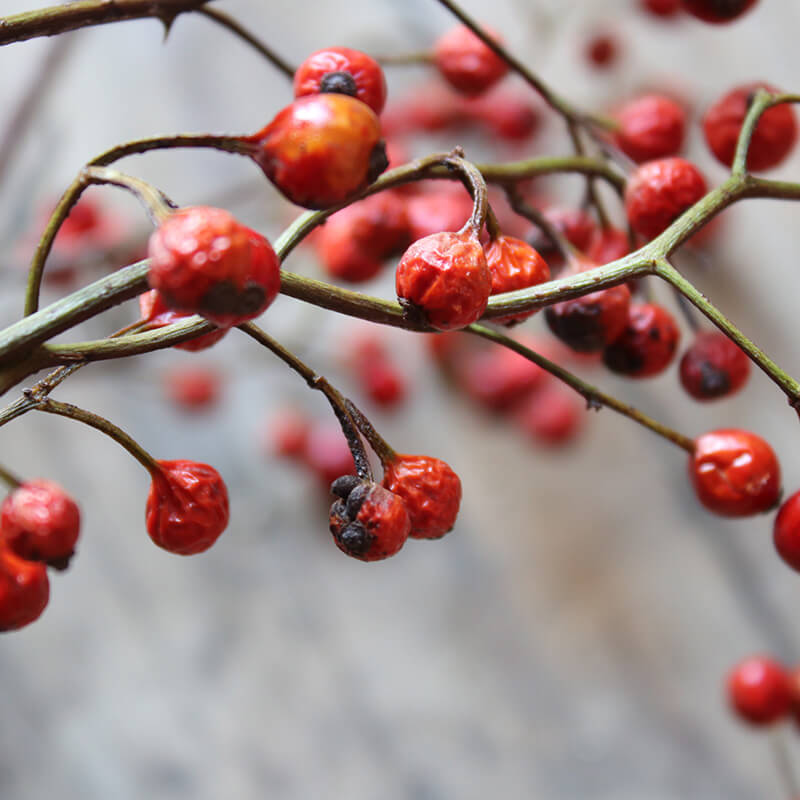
{"x":343,"y":71}
{"x":718,"y":11}
{"x":24,"y":590}
{"x":205,"y":261}
{"x":647,"y":344}
{"x":321,"y":150}
{"x":466,"y":62}
{"x":445,"y":277}
{"x":661,"y":8}
{"x":193,"y":387}
{"x":713,"y":367}
{"x":157,"y":314}
{"x":651,"y":126}
{"x":39,"y":521}
{"x":786,"y":533}
{"x":187,"y":508}
{"x":735,"y":473}
{"x":552,"y":416}
{"x":773,"y":138}
{"x":759,"y":690}
{"x":660,"y":191}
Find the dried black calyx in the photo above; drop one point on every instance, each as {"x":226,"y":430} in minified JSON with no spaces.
{"x":378,"y":161}
{"x":714,"y":382}
{"x":225,"y":298}
{"x":344,"y":484}
{"x":339,"y":82}
{"x":351,"y":535}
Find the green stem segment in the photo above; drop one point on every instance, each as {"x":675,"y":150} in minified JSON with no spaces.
{"x":9,"y":478}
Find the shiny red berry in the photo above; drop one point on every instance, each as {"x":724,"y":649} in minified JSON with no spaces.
{"x":647,"y":344}
{"x":735,"y":473}
{"x":773,"y":138}
{"x":786,"y":533}
{"x":321,"y":150}
{"x":157,"y":314}
{"x":445,"y":278}
{"x":39,"y":521}
{"x":718,"y":11}
{"x":344,"y":71}
{"x":660,"y":191}
{"x":466,"y":62}
{"x":661,"y":8}
{"x":759,"y":690}
{"x":651,"y":126}
{"x":24,"y":590}
{"x":187,"y":508}
{"x":430,"y":490}
{"x":713,"y":367}
{"x":193,"y":387}
{"x":205,"y":261}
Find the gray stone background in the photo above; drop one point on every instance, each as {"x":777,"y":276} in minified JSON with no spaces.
{"x":567,"y":640}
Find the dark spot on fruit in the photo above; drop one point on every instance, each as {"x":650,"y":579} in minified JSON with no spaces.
{"x":355,"y":540}
{"x":713,"y":382}
{"x":339,"y":82}
{"x":654,"y":333}
{"x":225,"y":298}
{"x":356,"y":499}
{"x":378,"y":161}
{"x":344,"y":484}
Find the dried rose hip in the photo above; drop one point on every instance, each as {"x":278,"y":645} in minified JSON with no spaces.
{"x":773,"y":138}
{"x":651,"y":126}
{"x":321,"y":150}
{"x":187,"y":508}
{"x":39,"y":521}
{"x":431,"y":491}
{"x":367,"y":521}
{"x":735,"y":473}
{"x":647,"y":344}
{"x":205,"y":261}
{"x":157,"y":314}
{"x":759,"y":690}
{"x":343,"y":71}
{"x":718,"y":11}
{"x":445,"y":278}
{"x":786,"y":532}
{"x":466,"y":62}
{"x":713,"y":367}
{"x":24,"y":590}
{"x":660,"y":191}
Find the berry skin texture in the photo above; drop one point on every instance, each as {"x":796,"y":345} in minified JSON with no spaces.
{"x":430,"y":490}
{"x":717,"y":11}
{"x":445,"y":277}
{"x":344,"y":71}
{"x":759,"y":690}
{"x":647,"y":345}
{"x":39,"y":521}
{"x":713,"y":367}
{"x":187,"y":508}
{"x":204,"y":261}
{"x":652,"y":126}
{"x":773,"y":138}
{"x":321,"y":149}
{"x":157,"y":314}
{"x":24,"y":590}
{"x":735,"y":473}
{"x":466,"y":63}
{"x":369,"y":523}
{"x":786,"y":532}
{"x":513,"y":265}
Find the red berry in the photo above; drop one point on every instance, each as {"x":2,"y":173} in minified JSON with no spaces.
{"x":430,"y":490}
{"x":39,"y":521}
{"x":735,"y":473}
{"x":510,"y":115}
{"x":204,"y":261}
{"x":445,"y":277}
{"x":343,"y":71}
{"x":193,"y":388}
{"x":513,"y":265}
{"x":24,"y":590}
{"x":647,"y":345}
{"x":713,"y":367}
{"x":369,"y":522}
{"x":786,"y":533}
{"x":466,"y":62}
{"x":661,"y":8}
{"x":551,"y":416}
{"x":652,"y":126}
{"x":286,"y":433}
{"x":608,"y":245}
{"x":327,"y":454}
{"x":383,"y":384}
{"x":574,"y":224}
{"x":321,"y":149}
{"x":773,"y":138}
{"x":759,"y":690}
{"x":717,"y":10}
{"x":187,"y":508}
{"x":157,"y":314}
{"x":602,"y":50}
{"x":660,"y":191}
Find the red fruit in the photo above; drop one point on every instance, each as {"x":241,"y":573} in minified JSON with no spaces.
{"x":287,"y":433}
{"x":383,"y":384}
{"x":575,"y":225}
{"x":193,"y":388}
{"x":608,"y":245}
{"x":652,"y":126}
{"x":647,"y":345}
{"x":786,"y":535}
{"x":205,"y":261}
{"x":343,"y":71}
{"x":510,"y":115}
{"x":443,"y":208}
{"x":369,"y":522}
{"x":735,"y":473}
{"x":445,"y":278}
{"x":759,"y":690}
{"x":430,"y":490}
{"x":717,"y":10}
{"x":466,"y":62}
{"x":24,"y":590}
{"x":187,"y":508}
{"x":321,"y":149}
{"x":157,"y":314}
{"x":713,"y":367}
{"x":39,"y":521}
{"x":514,"y":264}
{"x":551,"y":416}
{"x":602,"y":50}
{"x":327,"y":453}
{"x":432,"y":108}
{"x":661,"y":8}
{"x":660,"y":191}
{"x":773,"y":138}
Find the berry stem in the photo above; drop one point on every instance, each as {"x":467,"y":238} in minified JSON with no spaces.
{"x":381,"y":447}
{"x":156,"y":203}
{"x":473,"y":180}
{"x":591,"y":189}
{"x":9,"y":478}
{"x":405,"y":59}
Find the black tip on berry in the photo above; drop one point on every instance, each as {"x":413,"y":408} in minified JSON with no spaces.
{"x":357,"y":497}
{"x":225,"y":298}
{"x":338,"y":83}
{"x":378,"y":161}
{"x":344,"y":484}
{"x":355,"y":540}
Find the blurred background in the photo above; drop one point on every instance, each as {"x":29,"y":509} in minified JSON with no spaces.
{"x":568,"y":639}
